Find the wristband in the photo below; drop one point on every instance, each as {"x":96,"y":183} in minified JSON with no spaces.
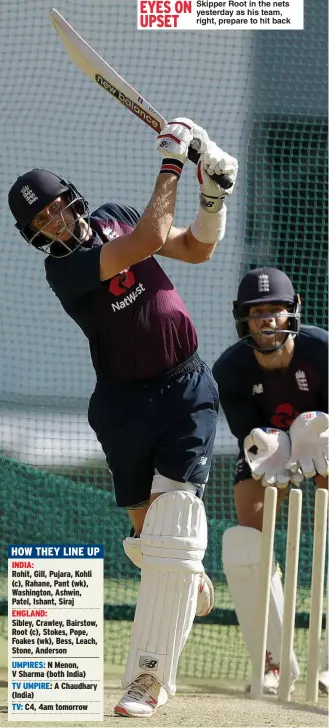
{"x":172,"y":166}
{"x":209,"y":229}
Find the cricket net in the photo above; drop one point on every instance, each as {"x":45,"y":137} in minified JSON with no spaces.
{"x":262,"y":96}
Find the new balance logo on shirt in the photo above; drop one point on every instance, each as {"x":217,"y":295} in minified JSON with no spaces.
{"x":257,"y":389}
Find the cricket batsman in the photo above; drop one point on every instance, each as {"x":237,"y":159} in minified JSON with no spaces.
{"x":154,"y":407}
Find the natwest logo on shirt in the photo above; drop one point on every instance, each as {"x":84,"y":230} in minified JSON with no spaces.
{"x":284,"y":416}
{"x":119,"y":284}
{"x":130,"y":298}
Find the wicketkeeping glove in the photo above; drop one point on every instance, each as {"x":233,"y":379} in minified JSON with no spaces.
{"x":266,"y":451}
{"x":173,"y":143}
{"x":309,"y":445}
{"x":215,"y":161}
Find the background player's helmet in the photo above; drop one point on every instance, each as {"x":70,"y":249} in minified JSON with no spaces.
{"x":266,"y":285}
{"x":31,"y":193}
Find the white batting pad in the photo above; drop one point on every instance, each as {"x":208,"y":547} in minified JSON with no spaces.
{"x":241,"y":561}
{"x":132,"y":549}
{"x":173,"y":543}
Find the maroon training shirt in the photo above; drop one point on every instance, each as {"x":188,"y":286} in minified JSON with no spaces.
{"x":136,"y":323}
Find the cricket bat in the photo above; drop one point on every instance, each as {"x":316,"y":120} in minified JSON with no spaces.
{"x":85,"y":58}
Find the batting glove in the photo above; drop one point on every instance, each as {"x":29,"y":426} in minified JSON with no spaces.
{"x":201,"y":140}
{"x":215,"y":161}
{"x":309,"y":445}
{"x":173,"y":143}
{"x":266,"y":451}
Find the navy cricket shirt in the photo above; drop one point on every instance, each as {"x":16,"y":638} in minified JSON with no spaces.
{"x":255,"y":397}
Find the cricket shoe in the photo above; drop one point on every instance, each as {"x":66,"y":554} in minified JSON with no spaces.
{"x":324,"y":682}
{"x":142,"y":698}
{"x":206,"y":596}
{"x":271,"y":681}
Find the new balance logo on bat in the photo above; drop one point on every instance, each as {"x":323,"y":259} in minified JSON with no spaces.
{"x":126,"y":101}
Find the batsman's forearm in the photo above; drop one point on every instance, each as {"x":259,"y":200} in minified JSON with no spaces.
{"x":158,"y":216}
{"x":149,"y":235}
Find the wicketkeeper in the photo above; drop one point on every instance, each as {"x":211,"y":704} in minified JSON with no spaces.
{"x":273,"y":388}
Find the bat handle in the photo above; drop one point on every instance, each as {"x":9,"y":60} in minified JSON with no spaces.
{"x":222,"y":179}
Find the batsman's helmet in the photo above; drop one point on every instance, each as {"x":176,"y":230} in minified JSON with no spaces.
{"x":35,"y":190}
{"x":266,"y":285}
